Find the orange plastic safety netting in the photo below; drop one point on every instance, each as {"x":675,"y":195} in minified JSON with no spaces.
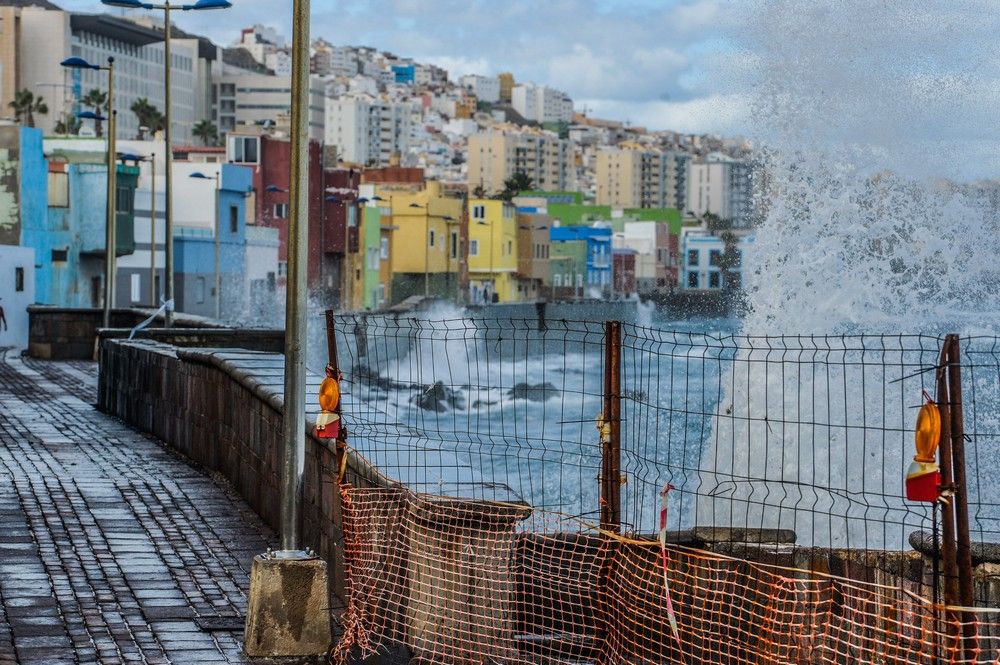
{"x":451,"y":581}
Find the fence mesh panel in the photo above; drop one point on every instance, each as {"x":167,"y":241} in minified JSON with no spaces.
{"x":787,"y":531}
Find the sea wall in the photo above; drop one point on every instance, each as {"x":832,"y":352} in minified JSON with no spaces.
{"x":222,"y":408}
{"x":70,"y":333}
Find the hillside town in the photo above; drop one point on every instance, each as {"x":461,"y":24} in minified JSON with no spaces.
{"x":474,"y":189}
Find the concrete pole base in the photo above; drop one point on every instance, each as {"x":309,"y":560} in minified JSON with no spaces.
{"x":288,"y":610}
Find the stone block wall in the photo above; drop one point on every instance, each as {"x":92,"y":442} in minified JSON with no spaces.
{"x":223,"y":410}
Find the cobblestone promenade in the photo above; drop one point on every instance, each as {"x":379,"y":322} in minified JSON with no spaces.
{"x":112,"y":549}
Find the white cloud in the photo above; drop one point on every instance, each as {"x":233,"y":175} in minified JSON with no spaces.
{"x":722,"y":114}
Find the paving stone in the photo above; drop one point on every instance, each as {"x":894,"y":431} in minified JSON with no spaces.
{"x":110,"y":544}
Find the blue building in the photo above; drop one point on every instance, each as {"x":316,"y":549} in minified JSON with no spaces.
{"x":60,"y":208}
{"x":598,"y":272}
{"x":195,"y":250}
{"x":404,"y":73}
{"x":704,"y":263}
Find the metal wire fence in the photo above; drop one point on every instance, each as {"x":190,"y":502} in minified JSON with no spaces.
{"x":786,"y":457}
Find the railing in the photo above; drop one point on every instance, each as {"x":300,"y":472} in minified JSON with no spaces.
{"x":531,"y":460}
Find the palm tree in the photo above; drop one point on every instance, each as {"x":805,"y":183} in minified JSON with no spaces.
{"x":68,"y":125}
{"x":206,"y":131}
{"x":98,"y":101}
{"x":26,"y":106}
{"x":148,"y":115}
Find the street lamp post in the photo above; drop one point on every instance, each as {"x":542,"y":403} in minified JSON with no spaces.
{"x":109,"y":231}
{"x":218,"y":274}
{"x":152,"y":231}
{"x":152,"y":219}
{"x":166,"y":7}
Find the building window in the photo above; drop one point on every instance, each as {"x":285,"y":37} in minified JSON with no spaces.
{"x":693,"y":257}
{"x":385,"y":249}
{"x":281,"y":211}
{"x":123,"y":200}
{"x":136,"y":287}
{"x":352,"y":219}
{"x":714,"y":280}
{"x":243,"y":149}
{"x":234,"y":219}
{"x":454,"y":244}
{"x":473,"y":248}
{"x":714,"y":257}
{"x":510,"y":247}
{"x":692,"y":279}
{"x":430,"y":240}
{"x":59,"y":255}
{"x":19,"y":278}
{"x":557,"y":280}
{"x":199,"y":292}
{"x":479,"y":212}
{"x":373,"y":258}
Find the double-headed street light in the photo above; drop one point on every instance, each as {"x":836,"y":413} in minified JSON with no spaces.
{"x":198,"y":175}
{"x":109,"y":231}
{"x":169,"y":154}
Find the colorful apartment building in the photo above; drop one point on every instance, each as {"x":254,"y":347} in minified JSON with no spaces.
{"x":493,"y":253}
{"x":424,"y":238}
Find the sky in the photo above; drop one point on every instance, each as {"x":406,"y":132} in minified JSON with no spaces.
{"x":640,"y":61}
{"x":916,"y":84}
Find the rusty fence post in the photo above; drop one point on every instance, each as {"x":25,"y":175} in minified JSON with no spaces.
{"x":966,"y":595}
{"x":611,"y":441}
{"x":609,"y":426}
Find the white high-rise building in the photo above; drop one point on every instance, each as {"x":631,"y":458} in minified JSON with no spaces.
{"x":541,"y":104}
{"x":485,"y":88}
{"x":45,"y":37}
{"x":720,"y":185}
{"x":368,"y":131}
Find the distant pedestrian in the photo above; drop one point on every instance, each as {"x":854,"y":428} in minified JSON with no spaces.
{"x":3,"y":318}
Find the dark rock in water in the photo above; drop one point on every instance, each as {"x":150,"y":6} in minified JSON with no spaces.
{"x":479,"y":403}
{"x":438,"y":398}
{"x":539,"y":392}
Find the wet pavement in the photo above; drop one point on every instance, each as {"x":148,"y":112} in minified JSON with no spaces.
{"x":113,"y":549}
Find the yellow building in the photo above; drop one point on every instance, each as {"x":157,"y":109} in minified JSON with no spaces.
{"x":634,"y":176}
{"x":506,"y":86}
{"x":498,"y":153}
{"x":425,"y":239}
{"x":492,"y":251}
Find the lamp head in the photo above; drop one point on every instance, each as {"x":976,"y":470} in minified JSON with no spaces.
{"x":78,"y":63}
{"x":208,"y":4}
{"x":127,"y":4}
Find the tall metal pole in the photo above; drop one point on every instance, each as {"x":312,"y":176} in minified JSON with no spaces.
{"x":109,"y":231}
{"x":966,"y":590}
{"x":152,"y":232}
{"x":293,"y":454}
{"x":168,"y":207}
{"x":948,"y":543}
{"x":218,"y":274}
